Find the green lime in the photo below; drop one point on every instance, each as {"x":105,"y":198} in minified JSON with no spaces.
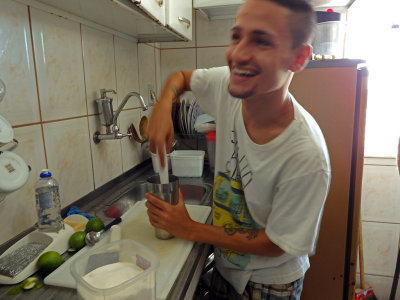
{"x":94,"y":224}
{"x":77,"y":240}
{"x":29,"y":283}
{"x":49,"y":261}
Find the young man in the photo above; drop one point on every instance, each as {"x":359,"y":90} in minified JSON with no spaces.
{"x":272,"y":165}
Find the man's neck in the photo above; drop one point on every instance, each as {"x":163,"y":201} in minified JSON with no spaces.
{"x":266,"y":118}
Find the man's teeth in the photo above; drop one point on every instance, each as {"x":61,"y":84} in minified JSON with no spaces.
{"x":246,"y":73}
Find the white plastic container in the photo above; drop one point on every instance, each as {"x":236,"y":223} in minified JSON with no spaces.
{"x":122,"y":269}
{"x":187,"y":163}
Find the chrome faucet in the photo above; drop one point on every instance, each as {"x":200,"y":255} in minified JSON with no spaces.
{"x":107,"y":117}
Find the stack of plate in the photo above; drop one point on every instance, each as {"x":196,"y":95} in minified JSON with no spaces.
{"x":184,"y":114}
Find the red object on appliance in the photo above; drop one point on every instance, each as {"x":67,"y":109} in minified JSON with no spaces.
{"x":211,"y":136}
{"x":363,"y":294}
{"x":329,"y":10}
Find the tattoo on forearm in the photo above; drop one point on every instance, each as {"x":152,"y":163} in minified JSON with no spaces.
{"x":251,"y":233}
{"x":175,"y":90}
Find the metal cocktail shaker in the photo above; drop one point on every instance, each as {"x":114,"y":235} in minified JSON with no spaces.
{"x":168,"y":192}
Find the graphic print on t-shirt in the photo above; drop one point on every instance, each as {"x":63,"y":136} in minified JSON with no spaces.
{"x":229,"y":207}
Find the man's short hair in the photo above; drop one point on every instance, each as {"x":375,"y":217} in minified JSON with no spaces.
{"x":301,"y":22}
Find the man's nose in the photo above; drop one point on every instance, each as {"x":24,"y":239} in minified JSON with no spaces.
{"x":241,"y":52}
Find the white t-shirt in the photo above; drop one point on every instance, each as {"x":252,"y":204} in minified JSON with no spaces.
{"x":280,"y":186}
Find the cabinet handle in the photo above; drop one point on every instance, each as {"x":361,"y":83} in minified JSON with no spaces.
{"x":137,"y":2}
{"x":184,"y":20}
{"x":160,"y":2}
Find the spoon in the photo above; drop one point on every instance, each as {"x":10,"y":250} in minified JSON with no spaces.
{"x":93,"y":237}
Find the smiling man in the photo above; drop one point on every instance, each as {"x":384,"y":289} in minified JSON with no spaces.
{"x":272,"y":169}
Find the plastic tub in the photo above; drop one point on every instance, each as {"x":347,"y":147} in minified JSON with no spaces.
{"x":187,"y":163}
{"x":122,"y":269}
{"x":211,"y":137}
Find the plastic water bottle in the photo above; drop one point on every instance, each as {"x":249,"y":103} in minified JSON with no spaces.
{"x":48,"y":203}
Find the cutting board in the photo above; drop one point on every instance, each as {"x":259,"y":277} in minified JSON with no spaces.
{"x":135,"y":225}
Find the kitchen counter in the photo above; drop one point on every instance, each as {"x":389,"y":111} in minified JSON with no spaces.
{"x":186,"y":282}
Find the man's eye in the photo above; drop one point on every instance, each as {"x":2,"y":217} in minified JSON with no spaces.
{"x":263,"y":42}
{"x":235,"y":37}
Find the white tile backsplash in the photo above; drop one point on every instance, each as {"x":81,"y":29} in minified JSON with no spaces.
{"x":213,"y":32}
{"x":68,"y":157}
{"x":131,"y":150}
{"x":20,"y":104}
{"x":126,"y":64}
{"x":18,"y":210}
{"x":59,"y":66}
{"x":99,"y":65}
{"x":106,"y":155}
{"x":176,"y":60}
{"x":211,"y":57}
{"x":147,"y":69}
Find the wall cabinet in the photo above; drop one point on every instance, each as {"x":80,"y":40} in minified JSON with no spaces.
{"x":143,"y":20}
{"x":179,"y":17}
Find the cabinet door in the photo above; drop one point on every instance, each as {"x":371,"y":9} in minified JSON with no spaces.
{"x":179,"y":17}
{"x":154,"y":8}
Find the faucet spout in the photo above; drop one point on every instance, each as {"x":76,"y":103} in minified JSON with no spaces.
{"x":121,"y":106}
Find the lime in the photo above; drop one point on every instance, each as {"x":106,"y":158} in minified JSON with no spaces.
{"x":49,"y":261}
{"x":94,"y":224}
{"x":29,"y":283}
{"x":77,"y":240}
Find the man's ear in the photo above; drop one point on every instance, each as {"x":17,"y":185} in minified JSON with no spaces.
{"x":302,"y":54}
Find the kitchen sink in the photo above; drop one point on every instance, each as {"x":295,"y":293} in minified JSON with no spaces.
{"x":199,"y":194}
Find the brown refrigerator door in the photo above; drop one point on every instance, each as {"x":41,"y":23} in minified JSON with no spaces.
{"x":336,"y":97}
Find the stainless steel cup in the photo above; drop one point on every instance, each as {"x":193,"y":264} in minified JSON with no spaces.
{"x":168,"y":192}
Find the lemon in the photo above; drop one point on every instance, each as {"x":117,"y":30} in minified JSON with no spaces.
{"x":94,"y":224}
{"x":77,"y":240}
{"x":49,"y":261}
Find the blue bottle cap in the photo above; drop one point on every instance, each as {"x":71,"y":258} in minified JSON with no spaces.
{"x":45,"y":173}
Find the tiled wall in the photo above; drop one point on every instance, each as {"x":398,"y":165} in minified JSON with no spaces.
{"x":381,"y":223}
{"x":53,"y":69}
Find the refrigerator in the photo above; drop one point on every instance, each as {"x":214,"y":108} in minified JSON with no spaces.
{"x":335,"y":93}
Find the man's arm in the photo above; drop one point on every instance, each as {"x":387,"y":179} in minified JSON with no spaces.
{"x":160,"y":130}
{"x":176,"y":220}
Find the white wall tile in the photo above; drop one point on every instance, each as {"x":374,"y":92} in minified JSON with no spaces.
{"x":131,"y":150}
{"x":69,"y":158}
{"x":381,"y":194}
{"x":211,"y":57}
{"x":175,"y":60}
{"x":147,"y":69}
{"x":22,"y":203}
{"x":20,"y":105}
{"x":59,"y":65}
{"x":380,"y":242}
{"x":99,"y":65}
{"x":213,"y":32}
{"x":127,"y":70}
{"x":106,"y":155}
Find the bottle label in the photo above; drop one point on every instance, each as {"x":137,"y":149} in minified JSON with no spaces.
{"x":46,"y":200}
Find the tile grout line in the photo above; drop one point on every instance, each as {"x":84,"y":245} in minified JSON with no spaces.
{"x":37,"y":85}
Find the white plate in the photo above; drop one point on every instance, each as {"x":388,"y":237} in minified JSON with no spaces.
{"x":6,"y":131}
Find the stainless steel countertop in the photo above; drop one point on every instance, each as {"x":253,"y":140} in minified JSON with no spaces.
{"x":189,"y":275}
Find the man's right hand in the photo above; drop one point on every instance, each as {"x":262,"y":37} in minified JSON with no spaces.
{"x":160,"y":129}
